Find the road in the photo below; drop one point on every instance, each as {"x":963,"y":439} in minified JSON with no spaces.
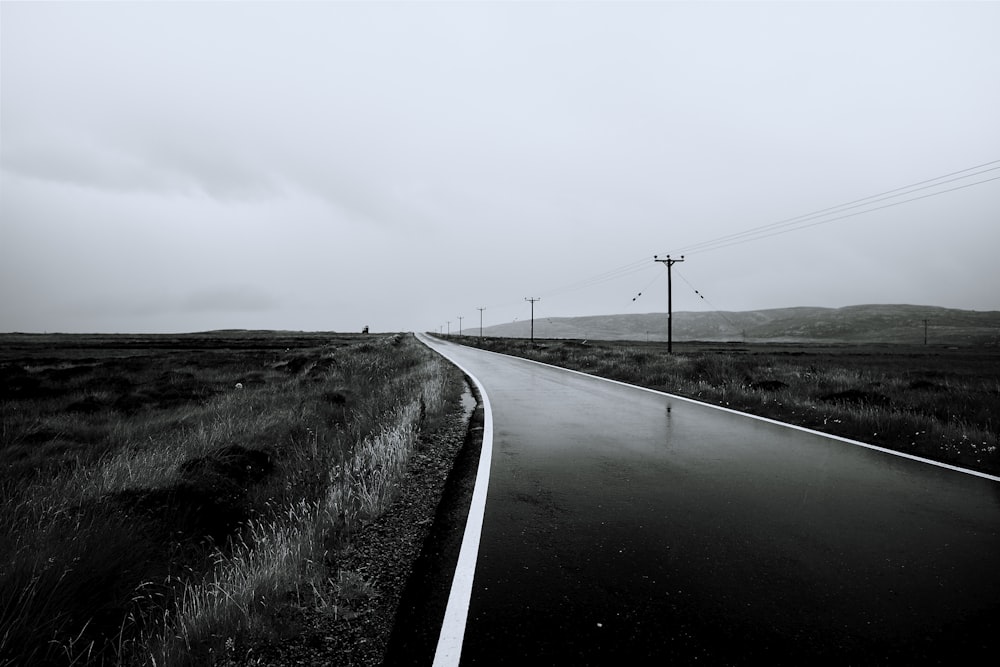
{"x":620,"y":525}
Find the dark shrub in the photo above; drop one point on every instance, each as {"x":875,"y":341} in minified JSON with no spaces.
{"x":233,"y":464}
{"x":338,"y":397}
{"x":293,"y":365}
{"x":767,"y":385}
{"x":185,"y":512}
{"x":70,"y":373}
{"x":338,"y":404}
{"x":110,"y":382}
{"x":857,"y":397}
{"x":16,"y":384}
{"x":926,"y":385}
{"x":321,"y":368}
{"x":87,"y":405}
{"x":177,"y":392}
{"x":129,"y":403}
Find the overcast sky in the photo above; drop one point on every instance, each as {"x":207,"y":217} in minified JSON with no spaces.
{"x":186,"y":166}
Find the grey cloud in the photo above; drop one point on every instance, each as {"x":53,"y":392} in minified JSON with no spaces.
{"x":186,"y":167}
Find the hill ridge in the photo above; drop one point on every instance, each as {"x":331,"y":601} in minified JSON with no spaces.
{"x":864,"y":323}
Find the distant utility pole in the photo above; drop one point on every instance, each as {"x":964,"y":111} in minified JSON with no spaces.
{"x":449,"y":327}
{"x":925,"y":332}
{"x":459,"y":325}
{"x":670,"y":300}
{"x":481,"y":321}
{"x":532,"y":300}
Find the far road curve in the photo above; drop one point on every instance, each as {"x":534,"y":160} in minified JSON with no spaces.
{"x":632,"y":527}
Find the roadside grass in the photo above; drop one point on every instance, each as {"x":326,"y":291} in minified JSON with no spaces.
{"x":164,"y":495}
{"x":938,"y":403}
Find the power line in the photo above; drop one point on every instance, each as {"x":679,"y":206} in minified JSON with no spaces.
{"x":857,"y":203}
{"x":646,"y":287}
{"x":617,"y":273}
{"x":612,"y":274}
{"x":842,"y":217}
{"x":815,"y":218}
{"x":714,"y":308}
{"x":819,"y":217}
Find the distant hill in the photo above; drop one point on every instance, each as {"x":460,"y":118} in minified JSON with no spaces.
{"x":851,"y":324}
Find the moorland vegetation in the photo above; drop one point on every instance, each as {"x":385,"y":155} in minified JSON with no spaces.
{"x":165,"y":494}
{"x":936,"y":402}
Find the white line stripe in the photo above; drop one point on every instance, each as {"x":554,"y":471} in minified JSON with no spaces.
{"x":449,"y":646}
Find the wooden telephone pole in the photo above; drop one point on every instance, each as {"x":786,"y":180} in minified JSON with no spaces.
{"x":532,"y":300}
{"x":670,"y":300}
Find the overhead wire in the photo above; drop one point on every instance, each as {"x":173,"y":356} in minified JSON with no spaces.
{"x":840,"y":217}
{"x":646,"y":287}
{"x":857,"y":203}
{"x":613,"y":274}
{"x":705,"y":299}
{"x":823,"y":216}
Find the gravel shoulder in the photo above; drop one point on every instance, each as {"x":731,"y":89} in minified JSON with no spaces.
{"x":355,"y":618}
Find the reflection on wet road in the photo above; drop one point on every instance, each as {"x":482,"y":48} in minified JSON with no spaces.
{"x":632,"y":527}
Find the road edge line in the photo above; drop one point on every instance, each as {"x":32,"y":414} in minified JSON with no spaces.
{"x":840,"y":438}
{"x":449,"y":646}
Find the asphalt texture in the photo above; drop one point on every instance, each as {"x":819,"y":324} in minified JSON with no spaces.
{"x":629,"y":527}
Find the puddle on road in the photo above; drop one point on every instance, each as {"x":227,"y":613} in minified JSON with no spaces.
{"x":468,"y":402}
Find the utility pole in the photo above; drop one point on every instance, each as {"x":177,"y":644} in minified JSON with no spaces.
{"x":670,"y":300}
{"x":459,"y":325}
{"x":925,"y":332}
{"x":449,"y":327}
{"x":481,"y":321}
{"x":532,"y":300}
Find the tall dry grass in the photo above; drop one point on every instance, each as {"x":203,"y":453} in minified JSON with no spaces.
{"x":103,"y":556}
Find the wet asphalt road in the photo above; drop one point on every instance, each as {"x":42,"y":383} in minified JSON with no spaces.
{"x":623,"y":526}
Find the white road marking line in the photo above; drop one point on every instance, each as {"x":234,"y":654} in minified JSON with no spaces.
{"x":449,"y":646}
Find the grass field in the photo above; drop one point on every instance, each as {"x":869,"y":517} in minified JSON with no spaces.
{"x":163,"y":494}
{"x":941,"y":403}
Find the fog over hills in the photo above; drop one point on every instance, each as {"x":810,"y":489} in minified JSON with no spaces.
{"x":851,"y":324}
